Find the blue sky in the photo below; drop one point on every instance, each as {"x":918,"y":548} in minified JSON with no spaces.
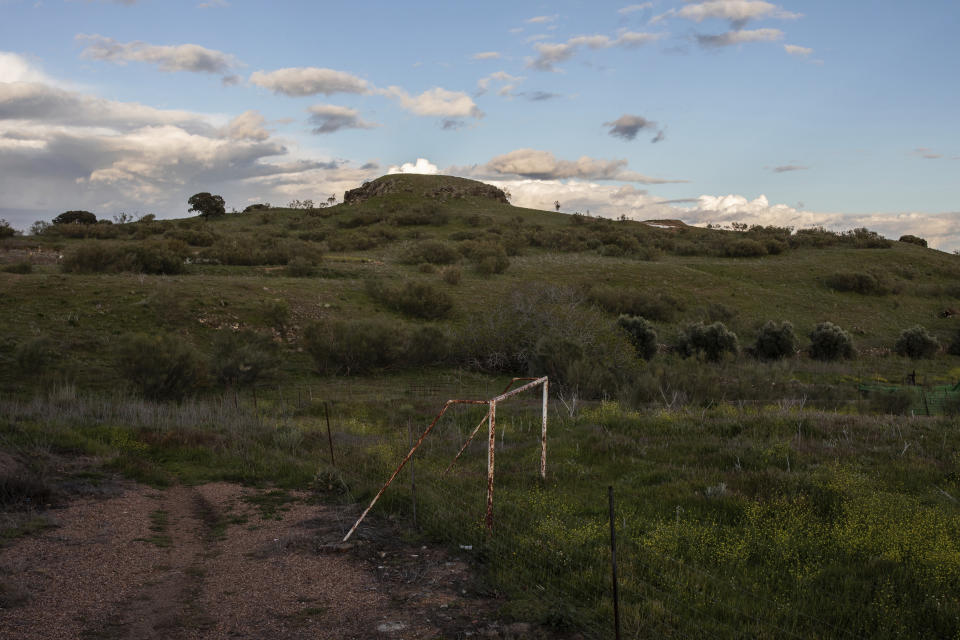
{"x":798,"y":113}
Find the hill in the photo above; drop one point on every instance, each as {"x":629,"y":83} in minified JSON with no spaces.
{"x":305,"y":348}
{"x":459,"y":238}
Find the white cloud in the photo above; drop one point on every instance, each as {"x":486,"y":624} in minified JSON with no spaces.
{"x":249,"y":125}
{"x":184,"y":57}
{"x":551,"y":54}
{"x":543,"y":165}
{"x":942,"y":230}
{"x":737,"y":12}
{"x":543,"y":19}
{"x":507,"y":83}
{"x":486,"y":55}
{"x":634,"y":7}
{"x":328,"y":118}
{"x":14,"y":68}
{"x":436,"y":102}
{"x":422,"y":165}
{"x":739,"y":37}
{"x":309,"y":81}
{"x":796,"y":50}
{"x":213,"y":4}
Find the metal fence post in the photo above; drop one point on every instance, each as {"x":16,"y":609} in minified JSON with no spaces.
{"x":492,"y":433}
{"x":543,"y":434}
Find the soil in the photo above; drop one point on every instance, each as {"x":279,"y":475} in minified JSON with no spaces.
{"x":226,"y":561}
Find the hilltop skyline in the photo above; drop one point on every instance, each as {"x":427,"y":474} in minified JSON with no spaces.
{"x":795,"y":114}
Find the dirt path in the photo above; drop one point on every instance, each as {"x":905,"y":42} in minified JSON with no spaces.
{"x":224,"y":561}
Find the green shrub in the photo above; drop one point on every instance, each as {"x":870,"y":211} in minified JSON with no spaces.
{"x":430,"y":252}
{"x":863,"y":283}
{"x":34,"y":355}
{"x":242,"y":358}
{"x":352,"y":347}
{"x":451,"y":275}
{"x":914,"y":240}
{"x":22,"y":268}
{"x":161,"y":367}
{"x":916,"y":342}
{"x":427,"y":345}
{"x":276,"y":316}
{"x":488,"y":256}
{"x":6,"y":231}
{"x":642,"y":335}
{"x":415,"y":299}
{"x":954,"y":347}
{"x":775,"y":341}
{"x":256,"y":207}
{"x":300,"y":267}
{"x":194,"y":237}
{"x":712,"y":341}
{"x":830,"y":342}
{"x":429,"y":213}
{"x":539,"y":328}
{"x":744,"y":248}
{"x":621,"y":300}
{"x":897,"y":402}
{"x":96,"y":257}
{"x":207,"y":204}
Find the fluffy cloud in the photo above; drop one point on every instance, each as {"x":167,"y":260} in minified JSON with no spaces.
{"x":942,"y":230}
{"x":551,"y":54}
{"x":737,"y":12}
{"x":39,"y":102}
{"x":309,"y":81}
{"x":14,"y":68}
{"x":249,"y":125}
{"x":422,"y":165}
{"x":184,"y":57}
{"x":543,"y":165}
{"x":436,"y":102}
{"x":507,"y":83}
{"x":628,"y":126}
{"x":62,"y":149}
{"x":739,"y":37}
{"x":795,"y":50}
{"x":634,"y":7}
{"x":328,"y":118}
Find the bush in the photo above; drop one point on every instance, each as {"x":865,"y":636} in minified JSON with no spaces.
{"x":913,"y":240}
{"x":256,"y":207}
{"x":642,"y":335}
{"x":6,"y":231}
{"x":431,"y":252}
{"x":488,"y":257}
{"x":896,"y":403}
{"x":451,"y":275}
{"x":161,"y":367}
{"x":744,"y":248}
{"x":712,"y":341}
{"x":775,"y":341}
{"x":358,"y":346}
{"x":830,"y":342}
{"x":954,"y":347}
{"x":427,"y":345}
{"x":620,"y":300}
{"x":415,"y":299}
{"x":244,"y":357}
{"x":863,"y":283}
{"x":916,"y":342}
{"x":75,"y":217}
{"x":301,"y":267}
{"x":537,"y":329}
{"x":96,"y":257}
{"x":22,"y":268}
{"x":35,"y":354}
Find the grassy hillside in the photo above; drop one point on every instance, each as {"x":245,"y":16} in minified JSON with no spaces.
{"x":756,"y":498}
{"x":238,"y":272}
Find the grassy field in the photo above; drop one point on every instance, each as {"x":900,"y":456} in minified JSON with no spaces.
{"x":754,"y":499}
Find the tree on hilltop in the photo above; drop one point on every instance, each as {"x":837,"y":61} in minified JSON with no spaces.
{"x":207,"y":205}
{"x":75,"y":217}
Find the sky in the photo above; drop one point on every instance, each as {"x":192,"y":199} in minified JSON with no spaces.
{"x":803,"y":113}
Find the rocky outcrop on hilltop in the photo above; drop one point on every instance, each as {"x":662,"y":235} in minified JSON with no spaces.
{"x":434,"y":187}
